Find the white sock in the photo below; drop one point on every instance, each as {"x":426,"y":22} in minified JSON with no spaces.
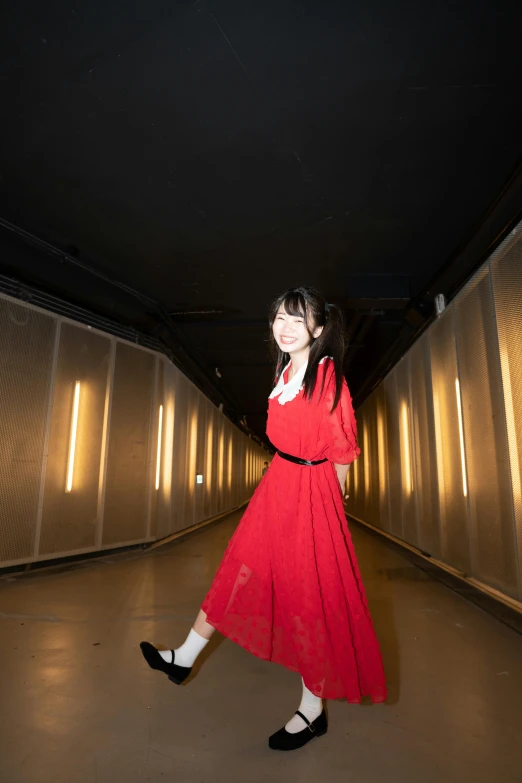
{"x":311,"y":706}
{"x":188,"y":652}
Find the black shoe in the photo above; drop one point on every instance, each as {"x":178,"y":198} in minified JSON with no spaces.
{"x":283,"y":740}
{"x":175,"y":673}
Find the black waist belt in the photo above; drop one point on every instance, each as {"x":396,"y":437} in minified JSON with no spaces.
{"x":299,"y":461}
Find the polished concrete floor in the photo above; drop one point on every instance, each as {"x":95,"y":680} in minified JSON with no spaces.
{"x":78,"y":704}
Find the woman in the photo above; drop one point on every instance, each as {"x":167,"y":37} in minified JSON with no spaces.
{"x":288,"y":588}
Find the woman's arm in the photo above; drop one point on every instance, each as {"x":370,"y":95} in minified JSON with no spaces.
{"x":342,"y":472}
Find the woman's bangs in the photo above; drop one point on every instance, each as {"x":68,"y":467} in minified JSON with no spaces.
{"x":294,"y":304}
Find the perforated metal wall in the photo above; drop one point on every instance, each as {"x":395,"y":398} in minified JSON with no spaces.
{"x":493,"y":550}
{"x":102,"y":441}
{"x":506,"y":275}
{"x":444,"y":430}
{"x":425,"y":454}
{"x":70,"y":518}
{"x":27,"y":349}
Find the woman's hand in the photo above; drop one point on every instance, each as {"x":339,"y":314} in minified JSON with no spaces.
{"x":342,"y":473}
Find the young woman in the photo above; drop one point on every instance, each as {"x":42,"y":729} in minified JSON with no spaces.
{"x":288,"y":588}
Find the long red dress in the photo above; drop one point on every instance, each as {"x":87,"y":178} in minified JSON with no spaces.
{"x":288,"y":588}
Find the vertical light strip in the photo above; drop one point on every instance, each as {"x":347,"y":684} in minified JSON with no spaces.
{"x":220,"y":458}
{"x":193,"y":450}
{"x":229,"y":460}
{"x":511,"y":427}
{"x":168,"y":446}
{"x":72,"y":439}
{"x":438,"y":446}
{"x":366,"y":462}
{"x":210,"y":435}
{"x":461,"y":436}
{"x":406,"y":457}
{"x":382,"y":454}
{"x":158,"y":454}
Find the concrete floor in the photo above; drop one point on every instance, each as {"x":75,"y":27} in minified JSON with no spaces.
{"x":79,"y":705}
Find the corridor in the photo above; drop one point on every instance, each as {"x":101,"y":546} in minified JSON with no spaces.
{"x":79,"y":704}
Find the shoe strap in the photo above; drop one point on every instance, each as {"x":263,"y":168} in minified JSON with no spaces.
{"x":310,"y":725}
{"x":172,"y":661}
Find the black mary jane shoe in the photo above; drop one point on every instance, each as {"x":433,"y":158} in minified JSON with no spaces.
{"x":175,"y":673}
{"x":283,"y":740}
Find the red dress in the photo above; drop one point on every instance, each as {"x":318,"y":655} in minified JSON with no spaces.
{"x":288,"y":588}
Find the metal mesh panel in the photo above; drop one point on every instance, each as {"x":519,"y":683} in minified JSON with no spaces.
{"x":423,"y":430}
{"x":26,"y":357}
{"x":70,"y":518}
{"x":235,"y":476}
{"x":394,"y":453}
{"x":214,"y":483}
{"x":225,"y":492}
{"x":506,"y":271}
{"x":219,"y":464}
{"x":489,"y":485}
{"x":382,"y":480}
{"x":191,"y":455}
{"x":229,"y":464}
{"x":128,"y":474}
{"x":164,"y":511}
{"x":240,"y":468}
{"x":208,"y":437}
{"x":199,"y":489}
{"x":355,"y":502}
{"x":370,"y":463}
{"x":409,"y":483}
{"x":156,"y":456}
{"x":453,"y":505}
{"x":359,"y":490}
{"x":180,"y":471}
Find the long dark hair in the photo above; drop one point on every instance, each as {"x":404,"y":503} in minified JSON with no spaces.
{"x":309,"y":304}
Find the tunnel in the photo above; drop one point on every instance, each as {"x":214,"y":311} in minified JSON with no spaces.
{"x":167,"y":171}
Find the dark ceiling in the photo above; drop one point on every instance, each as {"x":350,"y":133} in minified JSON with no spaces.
{"x":209,"y":154}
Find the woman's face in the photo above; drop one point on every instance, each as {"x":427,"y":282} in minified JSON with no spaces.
{"x":290,"y":332}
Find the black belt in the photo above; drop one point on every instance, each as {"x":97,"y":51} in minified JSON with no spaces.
{"x":299,"y":461}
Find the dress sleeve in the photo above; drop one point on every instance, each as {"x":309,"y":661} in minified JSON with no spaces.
{"x":339,"y":427}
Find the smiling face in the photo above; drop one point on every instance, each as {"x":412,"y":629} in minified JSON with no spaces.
{"x":291,"y":332}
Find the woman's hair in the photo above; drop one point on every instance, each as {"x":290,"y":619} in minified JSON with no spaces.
{"x":309,"y":304}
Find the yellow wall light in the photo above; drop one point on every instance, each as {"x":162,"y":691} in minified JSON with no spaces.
{"x":158,"y":454}
{"x":406,"y":453}
{"x":72,"y":438}
{"x":461,"y":437}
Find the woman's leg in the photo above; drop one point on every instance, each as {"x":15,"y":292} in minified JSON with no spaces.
{"x":202,"y":627}
{"x":197,"y":639}
{"x":311,"y":706}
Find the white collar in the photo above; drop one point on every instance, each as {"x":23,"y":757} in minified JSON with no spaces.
{"x":287,"y":391}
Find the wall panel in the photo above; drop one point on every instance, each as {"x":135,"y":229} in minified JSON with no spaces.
{"x":181,"y":437}
{"x":487,"y":459}
{"x":70,"y":518}
{"x":27,"y":342}
{"x":133,"y":431}
{"x":391,"y":404}
{"x":506,"y":274}
{"x":199,"y":489}
{"x":425,"y":456}
{"x":453,"y":505}
{"x":409,"y":484}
